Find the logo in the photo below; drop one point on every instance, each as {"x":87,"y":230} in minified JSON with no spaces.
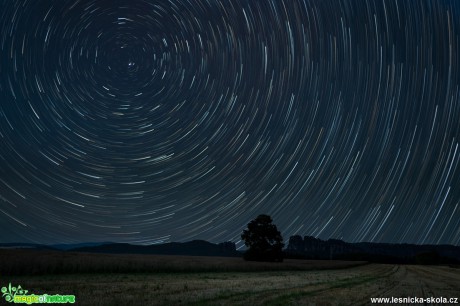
{"x":19,"y":295}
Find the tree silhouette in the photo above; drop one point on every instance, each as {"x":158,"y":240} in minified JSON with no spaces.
{"x":263,"y":240}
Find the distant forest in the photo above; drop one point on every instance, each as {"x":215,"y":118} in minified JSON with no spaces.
{"x":314,"y":248}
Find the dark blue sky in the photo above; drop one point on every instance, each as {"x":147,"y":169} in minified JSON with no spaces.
{"x":154,"y":121}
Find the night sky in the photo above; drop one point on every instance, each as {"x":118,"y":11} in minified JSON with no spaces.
{"x":149,"y":121}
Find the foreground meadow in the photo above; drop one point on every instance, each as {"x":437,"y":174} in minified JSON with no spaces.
{"x":304,"y":283}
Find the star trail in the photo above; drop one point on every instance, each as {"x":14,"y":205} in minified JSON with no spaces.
{"x":148,"y":121}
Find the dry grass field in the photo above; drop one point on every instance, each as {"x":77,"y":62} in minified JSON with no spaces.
{"x":34,"y":262}
{"x":211,"y":281}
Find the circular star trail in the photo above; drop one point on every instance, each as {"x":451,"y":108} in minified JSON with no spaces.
{"x":153,"y":121}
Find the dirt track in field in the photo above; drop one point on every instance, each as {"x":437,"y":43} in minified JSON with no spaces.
{"x":348,"y":286}
{"x":353,"y":286}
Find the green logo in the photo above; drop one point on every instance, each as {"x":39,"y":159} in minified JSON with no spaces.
{"x":19,"y":295}
{"x":10,"y":292}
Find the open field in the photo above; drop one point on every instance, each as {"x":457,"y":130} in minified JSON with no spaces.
{"x":36,"y":262}
{"x":354,"y":285}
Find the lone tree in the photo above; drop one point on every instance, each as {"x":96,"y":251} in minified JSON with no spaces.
{"x":263,"y":239}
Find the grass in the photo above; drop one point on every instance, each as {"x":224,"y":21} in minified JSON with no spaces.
{"x":180,"y":280}
{"x":34,"y":262}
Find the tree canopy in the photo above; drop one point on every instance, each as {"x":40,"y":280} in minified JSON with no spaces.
{"x":263,"y":240}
